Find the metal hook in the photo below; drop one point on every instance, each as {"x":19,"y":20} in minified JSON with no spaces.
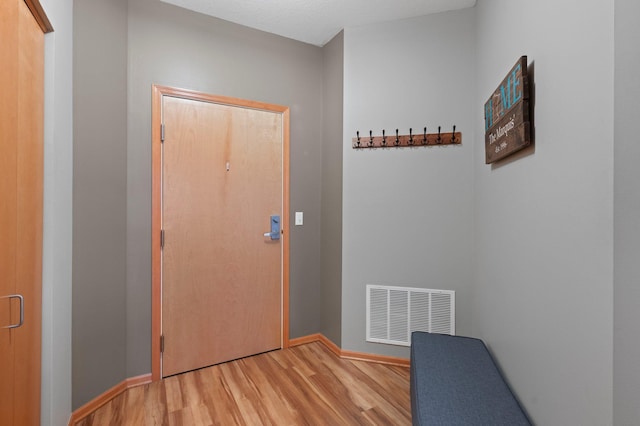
{"x":453,"y":135}
{"x":410,"y":136}
{"x":370,"y":138}
{"x":384,"y":138}
{"x":439,"y":137}
{"x":358,"y":134}
{"x":397,"y":140}
{"x":424,"y":138}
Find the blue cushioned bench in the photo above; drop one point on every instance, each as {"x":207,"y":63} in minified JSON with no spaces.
{"x":454,"y":381}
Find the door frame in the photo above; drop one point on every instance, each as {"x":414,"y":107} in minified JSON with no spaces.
{"x":156,"y":207}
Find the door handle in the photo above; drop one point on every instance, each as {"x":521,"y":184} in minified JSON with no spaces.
{"x":274,"y":235}
{"x":19,"y":297}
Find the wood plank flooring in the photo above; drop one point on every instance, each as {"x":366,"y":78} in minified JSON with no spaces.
{"x":303,"y":385}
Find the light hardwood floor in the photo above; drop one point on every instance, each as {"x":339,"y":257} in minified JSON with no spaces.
{"x":303,"y":385}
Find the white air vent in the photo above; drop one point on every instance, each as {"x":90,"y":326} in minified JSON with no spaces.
{"x":393,"y":313}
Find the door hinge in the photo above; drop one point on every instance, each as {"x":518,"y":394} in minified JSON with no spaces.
{"x":162,"y":343}
{"x":162,"y":238}
{"x":162,"y":132}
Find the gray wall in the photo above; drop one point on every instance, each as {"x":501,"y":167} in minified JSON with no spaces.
{"x":331,"y":236}
{"x":543,"y":220}
{"x":176,"y":47}
{"x":57,"y":251}
{"x":528,"y":244}
{"x":99,"y":197}
{"x":407,"y":213}
{"x":626,"y":335}
{"x":121,"y":49}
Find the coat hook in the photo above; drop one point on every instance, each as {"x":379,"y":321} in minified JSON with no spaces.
{"x":424,"y":137}
{"x":439,"y":137}
{"x":453,"y":135}
{"x":410,"y":136}
{"x":384,"y":138}
{"x":358,"y":134}
{"x":370,"y":138}
{"x":397,"y":140}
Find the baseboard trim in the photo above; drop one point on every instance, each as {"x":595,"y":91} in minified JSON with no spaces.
{"x":357,"y":356}
{"x":380,"y":359}
{"x":305,"y":339}
{"x":107,"y":396}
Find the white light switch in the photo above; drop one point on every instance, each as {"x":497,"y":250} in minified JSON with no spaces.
{"x":299,"y":218}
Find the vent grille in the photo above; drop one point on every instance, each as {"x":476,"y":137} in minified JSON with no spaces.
{"x":393,"y":313}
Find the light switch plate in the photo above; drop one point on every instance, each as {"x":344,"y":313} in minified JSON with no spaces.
{"x":299,"y":218}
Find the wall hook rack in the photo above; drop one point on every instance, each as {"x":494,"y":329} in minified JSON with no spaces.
{"x":410,"y":140}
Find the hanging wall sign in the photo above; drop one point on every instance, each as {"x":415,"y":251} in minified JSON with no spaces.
{"x":506,"y":115}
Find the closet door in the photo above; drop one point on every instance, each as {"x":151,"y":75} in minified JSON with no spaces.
{"x":8,"y":205}
{"x":21,"y":186}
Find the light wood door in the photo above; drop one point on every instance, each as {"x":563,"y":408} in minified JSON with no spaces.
{"x":221,"y":276}
{"x":21,"y":186}
{"x":8,"y":206}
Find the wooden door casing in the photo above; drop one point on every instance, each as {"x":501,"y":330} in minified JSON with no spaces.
{"x":225,"y":211}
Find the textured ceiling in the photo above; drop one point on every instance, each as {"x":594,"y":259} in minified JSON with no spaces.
{"x":316,"y":21}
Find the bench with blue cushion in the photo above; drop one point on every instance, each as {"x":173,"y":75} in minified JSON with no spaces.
{"x":454,"y":381}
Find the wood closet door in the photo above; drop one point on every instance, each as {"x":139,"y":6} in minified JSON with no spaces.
{"x":21,"y":189}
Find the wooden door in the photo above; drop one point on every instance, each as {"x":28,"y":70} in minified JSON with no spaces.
{"x":8,"y":206}
{"x":21,"y":188}
{"x":222,"y":181}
